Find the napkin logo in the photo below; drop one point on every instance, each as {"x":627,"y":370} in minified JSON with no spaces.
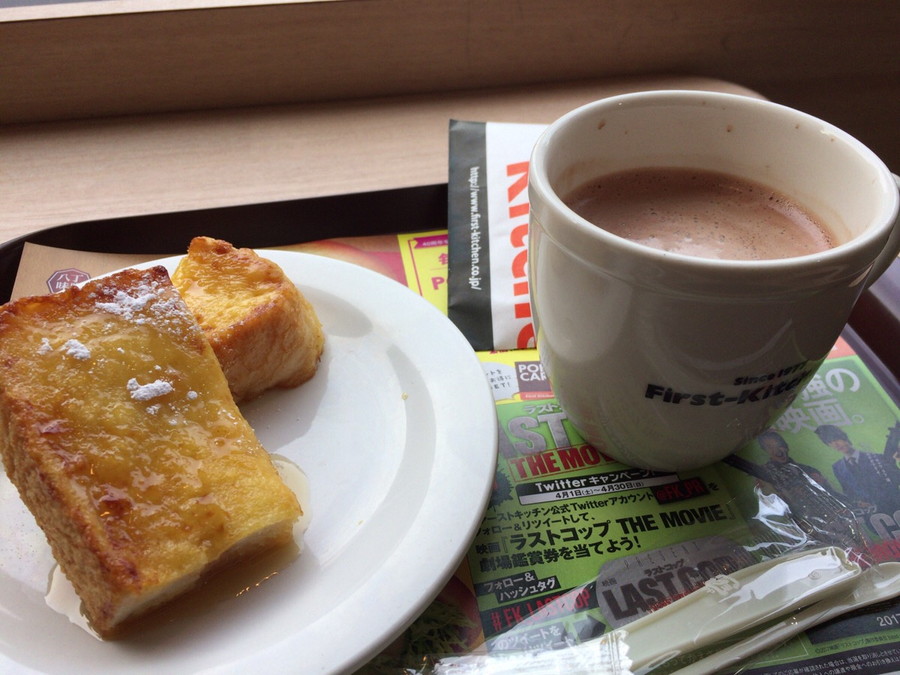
{"x":62,"y":279}
{"x":518,"y":217}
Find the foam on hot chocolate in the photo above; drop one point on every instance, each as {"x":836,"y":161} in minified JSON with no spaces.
{"x":700,"y":213}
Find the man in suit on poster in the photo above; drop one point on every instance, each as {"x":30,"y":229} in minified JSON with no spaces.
{"x":867,"y":479}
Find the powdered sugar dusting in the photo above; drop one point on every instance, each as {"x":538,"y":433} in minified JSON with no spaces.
{"x":126,"y":305}
{"x":73,"y":348}
{"x":76,"y":349}
{"x":146,"y":392}
{"x":145,"y":302}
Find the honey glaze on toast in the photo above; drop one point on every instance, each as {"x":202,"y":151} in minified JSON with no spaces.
{"x":216,"y":587}
{"x":120,"y":433}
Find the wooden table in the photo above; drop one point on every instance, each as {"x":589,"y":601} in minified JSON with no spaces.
{"x":71,"y":171}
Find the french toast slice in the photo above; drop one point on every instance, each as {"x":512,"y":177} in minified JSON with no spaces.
{"x":261,"y":327}
{"x":119,"y":431}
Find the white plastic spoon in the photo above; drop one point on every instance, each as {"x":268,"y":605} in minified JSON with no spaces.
{"x":726,"y":605}
{"x":880,"y":582}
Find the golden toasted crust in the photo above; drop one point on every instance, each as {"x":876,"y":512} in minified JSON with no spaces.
{"x":119,"y":431}
{"x":263,"y":331}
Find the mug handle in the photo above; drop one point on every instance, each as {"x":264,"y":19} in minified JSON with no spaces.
{"x":891,"y":249}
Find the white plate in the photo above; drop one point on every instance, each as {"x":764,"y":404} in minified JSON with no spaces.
{"x":397,"y":436}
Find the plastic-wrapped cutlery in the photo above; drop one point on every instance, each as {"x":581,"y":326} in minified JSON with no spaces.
{"x":726,"y":605}
{"x":878,"y":583}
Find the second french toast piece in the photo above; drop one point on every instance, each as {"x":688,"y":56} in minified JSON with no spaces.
{"x":262,"y":329}
{"x":119,"y":431}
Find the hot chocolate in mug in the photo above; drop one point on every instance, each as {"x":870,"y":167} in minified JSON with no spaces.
{"x":670,"y":360}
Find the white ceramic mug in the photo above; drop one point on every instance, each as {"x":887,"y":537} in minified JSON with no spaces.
{"x":671,"y":362}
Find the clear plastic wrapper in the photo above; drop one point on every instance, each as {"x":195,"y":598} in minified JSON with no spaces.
{"x":801,"y":556}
